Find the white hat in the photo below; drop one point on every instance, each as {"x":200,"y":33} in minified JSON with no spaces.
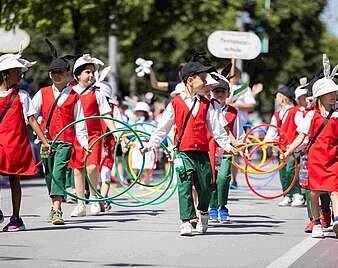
{"x":87,"y":59}
{"x":210,"y":80}
{"x":300,"y":91}
{"x":180,"y":87}
{"x":142,"y":106}
{"x":323,"y":86}
{"x":11,"y":61}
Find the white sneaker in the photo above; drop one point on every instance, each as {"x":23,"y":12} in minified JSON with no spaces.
{"x":285,"y":202}
{"x":317,"y":231}
{"x":297,"y":200}
{"x":94,"y":208}
{"x":79,"y":211}
{"x":186,"y":229}
{"x":202,"y":225}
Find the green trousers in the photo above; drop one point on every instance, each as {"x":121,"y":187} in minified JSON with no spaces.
{"x":219,"y":195}
{"x":324,"y":202}
{"x":193,"y":168}
{"x":70,"y":178}
{"x":59,"y":167}
{"x":286,"y":175}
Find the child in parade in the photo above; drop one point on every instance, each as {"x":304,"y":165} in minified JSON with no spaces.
{"x":321,"y":127}
{"x":194,"y":117}
{"x":59,"y":106}
{"x":16,"y":111}
{"x":284,"y":118}
{"x":219,"y":197}
{"x":94,"y":104}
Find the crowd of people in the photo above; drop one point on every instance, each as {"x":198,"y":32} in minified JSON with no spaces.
{"x":207,"y":115}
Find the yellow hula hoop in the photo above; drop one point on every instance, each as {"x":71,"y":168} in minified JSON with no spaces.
{"x":281,"y":165}
{"x":263,"y":150}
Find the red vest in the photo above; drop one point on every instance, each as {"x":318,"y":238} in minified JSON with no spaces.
{"x":16,"y":156}
{"x":195,"y":133}
{"x":288,"y":127}
{"x":91,"y":108}
{"x":323,"y":155}
{"x":230,"y":117}
{"x":62,"y":115}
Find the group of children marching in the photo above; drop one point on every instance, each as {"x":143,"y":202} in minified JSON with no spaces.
{"x":207,"y":131}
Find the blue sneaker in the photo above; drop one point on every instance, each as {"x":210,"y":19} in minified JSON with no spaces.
{"x":213,"y":214}
{"x":233,"y":185}
{"x":224,"y":216}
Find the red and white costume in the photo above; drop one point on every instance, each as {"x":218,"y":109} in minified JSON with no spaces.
{"x":16,"y":157}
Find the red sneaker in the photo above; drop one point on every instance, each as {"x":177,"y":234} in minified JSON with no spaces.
{"x":325,"y":219}
{"x":309,"y":226}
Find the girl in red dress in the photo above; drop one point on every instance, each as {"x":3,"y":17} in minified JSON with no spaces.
{"x":323,"y":153}
{"x":16,"y":111}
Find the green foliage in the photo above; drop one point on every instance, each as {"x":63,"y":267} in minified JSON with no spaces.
{"x":168,"y":31}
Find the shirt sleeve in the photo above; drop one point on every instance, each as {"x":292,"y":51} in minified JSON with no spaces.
{"x":272,"y":133}
{"x":215,"y":124}
{"x":37,"y":102}
{"x":238,"y":131}
{"x":304,"y":126}
{"x":103,"y":104}
{"x":80,"y":128}
{"x":298,"y":117}
{"x":27,"y":105}
{"x":163,"y":128}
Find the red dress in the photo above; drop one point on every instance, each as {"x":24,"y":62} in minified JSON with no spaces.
{"x":16,"y":157}
{"x":90,"y":108}
{"x":323,"y":155}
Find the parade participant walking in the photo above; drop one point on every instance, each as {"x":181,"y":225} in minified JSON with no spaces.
{"x":94,"y":104}
{"x":284,"y":118}
{"x":16,"y":111}
{"x":219,"y":197}
{"x":59,"y":106}
{"x":321,"y":127}
{"x":194,"y":117}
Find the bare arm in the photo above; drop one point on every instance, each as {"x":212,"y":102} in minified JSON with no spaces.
{"x":36,"y":128}
{"x":244,"y":106}
{"x":298,"y":141}
{"x":162,"y":86}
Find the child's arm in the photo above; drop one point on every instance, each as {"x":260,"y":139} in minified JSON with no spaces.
{"x":298,"y":141}
{"x":36,"y":128}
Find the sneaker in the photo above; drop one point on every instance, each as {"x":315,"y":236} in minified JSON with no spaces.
{"x":107,"y":206}
{"x":335,"y":228}
{"x":15,"y":224}
{"x":213,"y":214}
{"x":233,"y":185}
{"x":79,"y":211}
{"x":186,"y":229}
{"x":57,"y":217}
{"x":224,"y":216}
{"x":317,"y":231}
{"x":202,"y":225}
{"x":285,"y":202}
{"x":309,"y":227}
{"x":50,"y":215}
{"x":298,"y":200}
{"x":325,"y":219}
{"x":1,"y":216}
{"x":94,"y":208}
{"x":193,"y":223}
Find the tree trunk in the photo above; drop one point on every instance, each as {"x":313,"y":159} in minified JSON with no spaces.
{"x":76,"y":18}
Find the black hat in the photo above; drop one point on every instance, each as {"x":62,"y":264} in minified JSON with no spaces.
{"x":221,"y":84}
{"x":58,"y":63}
{"x":192,"y":68}
{"x":286,"y":91}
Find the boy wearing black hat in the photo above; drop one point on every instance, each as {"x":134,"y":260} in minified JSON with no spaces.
{"x":194,"y":117}
{"x":284,"y":118}
{"x":59,"y":106}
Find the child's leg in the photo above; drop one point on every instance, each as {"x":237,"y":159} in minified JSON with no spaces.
{"x":223,"y":181}
{"x":315,"y":208}
{"x":93,"y":174}
{"x":79,"y":184}
{"x":334,"y":198}
{"x":308,"y":204}
{"x":325,"y":202}
{"x":14,"y":181}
